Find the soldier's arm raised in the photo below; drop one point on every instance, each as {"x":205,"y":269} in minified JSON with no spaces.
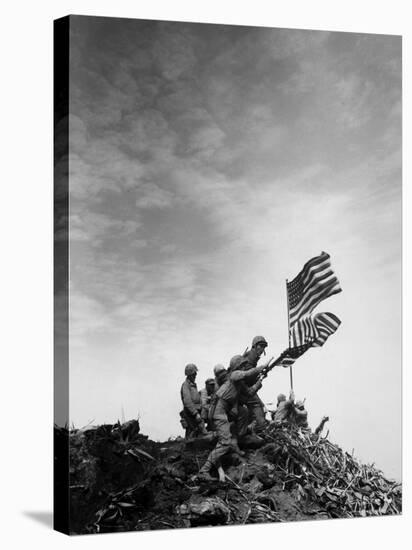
{"x":250,"y":390}
{"x":238,"y":375}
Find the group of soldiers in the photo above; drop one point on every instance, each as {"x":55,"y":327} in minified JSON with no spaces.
{"x":230,"y":407}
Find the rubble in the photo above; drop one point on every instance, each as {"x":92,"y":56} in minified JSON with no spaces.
{"x":121,"y":480}
{"x":204,"y":511}
{"x":322,"y":472}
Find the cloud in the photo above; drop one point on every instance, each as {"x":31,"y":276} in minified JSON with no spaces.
{"x":154,"y":197}
{"x":94,"y":227}
{"x":173,"y":53}
{"x":206,"y":165}
{"x":86,"y":316}
{"x":206,"y":141}
{"x":293,"y":44}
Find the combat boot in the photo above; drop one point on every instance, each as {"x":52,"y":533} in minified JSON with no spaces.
{"x":236,"y":448}
{"x":204,"y":472}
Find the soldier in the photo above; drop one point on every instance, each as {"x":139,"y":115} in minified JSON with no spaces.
{"x":225,"y":409}
{"x":253,"y":402}
{"x":190,"y":416}
{"x":284,"y":410}
{"x":206,"y":395}
{"x":290,"y":413}
{"x":300,"y":415}
{"x":221,"y":375}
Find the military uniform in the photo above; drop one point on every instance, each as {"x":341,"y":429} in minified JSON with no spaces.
{"x":248,"y":393}
{"x":300,"y":415}
{"x":283,"y":412}
{"x":220,"y":377}
{"x":206,"y":397}
{"x":224,"y":411}
{"x":191,"y":408}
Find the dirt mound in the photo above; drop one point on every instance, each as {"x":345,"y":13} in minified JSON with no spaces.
{"x":121,"y":481}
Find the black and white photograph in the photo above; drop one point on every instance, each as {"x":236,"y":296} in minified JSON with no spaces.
{"x":227,"y":275}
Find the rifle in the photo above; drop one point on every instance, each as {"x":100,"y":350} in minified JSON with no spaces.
{"x":271,"y":364}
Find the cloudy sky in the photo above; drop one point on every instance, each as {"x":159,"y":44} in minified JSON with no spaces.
{"x":207,"y":164}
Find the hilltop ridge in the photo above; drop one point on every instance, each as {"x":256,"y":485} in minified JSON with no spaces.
{"x":120,"y":480}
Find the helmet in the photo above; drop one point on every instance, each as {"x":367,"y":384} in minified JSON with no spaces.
{"x":236,"y":362}
{"x":259,"y":340}
{"x":218,"y":368}
{"x":281,"y":397}
{"x":210,"y":381}
{"x":190,"y":369}
{"x":300,"y":404}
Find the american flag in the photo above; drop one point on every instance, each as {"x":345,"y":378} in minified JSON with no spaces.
{"x":290,"y":355}
{"x":313,"y":284}
{"x":311,"y":331}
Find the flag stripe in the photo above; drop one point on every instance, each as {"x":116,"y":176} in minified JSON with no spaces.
{"x":313,"y":298}
{"x":313,"y":288}
{"x":326,"y":292}
{"x":330,"y":323}
{"x":314,"y":283}
{"x":313,"y":330}
{"x":316,"y":273}
{"x":313,"y":262}
{"x":290,"y":355}
{"x":320,"y":276}
{"x":317,"y":264}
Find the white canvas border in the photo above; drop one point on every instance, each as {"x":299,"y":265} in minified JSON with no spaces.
{"x":27,"y":268}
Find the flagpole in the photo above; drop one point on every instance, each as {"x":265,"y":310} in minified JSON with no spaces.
{"x":287,"y":303}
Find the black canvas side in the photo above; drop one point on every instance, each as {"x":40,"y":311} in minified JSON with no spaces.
{"x":61,"y":275}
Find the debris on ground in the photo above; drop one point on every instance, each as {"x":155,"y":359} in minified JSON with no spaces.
{"x":204,"y":511}
{"x":120,"y":480}
{"x":322,"y":472}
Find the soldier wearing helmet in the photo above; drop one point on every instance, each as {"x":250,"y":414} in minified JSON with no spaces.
{"x":248,"y":394}
{"x":282,"y":415}
{"x":190,"y":416}
{"x":259,"y":340}
{"x":225,"y":410}
{"x":290,"y":412}
{"x":206,"y":395}
{"x":300,"y":415}
{"x":281,"y":397}
{"x":221,"y":374}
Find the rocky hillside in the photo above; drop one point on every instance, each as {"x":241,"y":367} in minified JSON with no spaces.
{"x":120,"y":480}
